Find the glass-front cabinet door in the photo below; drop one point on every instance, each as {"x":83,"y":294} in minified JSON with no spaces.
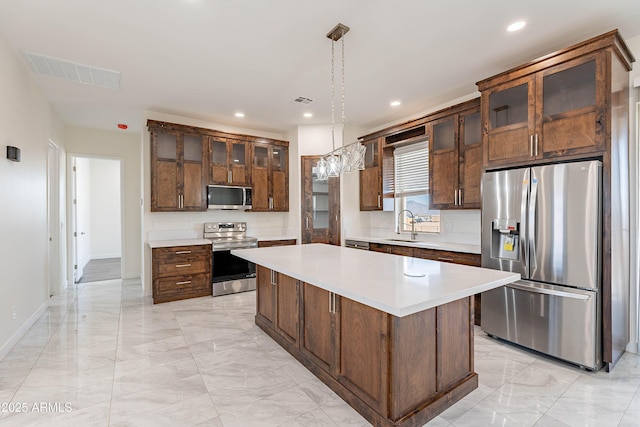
{"x":370,"y":177}
{"x":556,"y":112}
{"x":228,"y":162}
{"x":320,"y":205}
{"x":510,"y":113}
{"x":443,"y":162}
{"x":569,"y":119}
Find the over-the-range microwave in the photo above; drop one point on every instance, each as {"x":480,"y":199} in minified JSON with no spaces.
{"x":227,"y":197}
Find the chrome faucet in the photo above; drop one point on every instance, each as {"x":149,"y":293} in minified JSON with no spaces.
{"x":414,"y":234}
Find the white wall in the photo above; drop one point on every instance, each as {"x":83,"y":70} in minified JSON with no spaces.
{"x":105,"y":208}
{"x":634,"y":202}
{"x":124,"y":146}
{"x":27,"y":122}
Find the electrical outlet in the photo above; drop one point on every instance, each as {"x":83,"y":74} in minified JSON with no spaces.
{"x":15,"y":313}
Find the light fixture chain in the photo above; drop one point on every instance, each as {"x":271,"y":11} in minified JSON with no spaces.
{"x":343,"y":115}
{"x":333,"y":120}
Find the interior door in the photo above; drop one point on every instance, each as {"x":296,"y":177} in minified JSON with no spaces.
{"x":320,"y":205}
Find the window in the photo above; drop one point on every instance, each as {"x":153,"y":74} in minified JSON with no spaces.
{"x":411,"y":167}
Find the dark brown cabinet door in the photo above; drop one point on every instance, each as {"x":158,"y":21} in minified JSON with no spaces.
{"x":470,"y":160}
{"x":509,"y":120}
{"x":444,"y":162}
{"x":265,"y":294}
{"x":229,"y":162}
{"x":570,"y":108}
{"x":371,"y":177}
{"x":177,"y":171}
{"x":363,"y":366}
{"x":270,"y":177}
{"x":287,"y":312}
{"x":317,"y":339}
{"x":320,"y":205}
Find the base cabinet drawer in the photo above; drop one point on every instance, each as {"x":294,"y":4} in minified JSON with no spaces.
{"x":181,"y":272}
{"x":174,"y":268}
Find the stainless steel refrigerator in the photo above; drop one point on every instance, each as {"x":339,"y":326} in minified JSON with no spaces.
{"x":544,"y":222}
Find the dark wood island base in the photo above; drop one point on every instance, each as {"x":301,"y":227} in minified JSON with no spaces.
{"x":395,"y":371}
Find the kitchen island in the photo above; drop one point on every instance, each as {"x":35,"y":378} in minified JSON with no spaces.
{"x":391,"y":335}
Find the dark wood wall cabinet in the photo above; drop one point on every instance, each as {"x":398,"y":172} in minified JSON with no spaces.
{"x":573,"y":104}
{"x":180,"y":272}
{"x":178,"y":170}
{"x":229,"y":162}
{"x":376,"y":180}
{"x":270,"y":176}
{"x":185,"y":159}
{"x":455,"y":158}
{"x":392,"y":370}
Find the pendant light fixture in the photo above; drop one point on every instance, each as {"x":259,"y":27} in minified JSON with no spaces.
{"x":345,"y":158}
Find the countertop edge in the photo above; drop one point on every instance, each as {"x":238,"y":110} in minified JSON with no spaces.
{"x":177,"y":242}
{"x":438,"y":246}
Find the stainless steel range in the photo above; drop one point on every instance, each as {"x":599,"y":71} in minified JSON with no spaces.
{"x":231,"y":274}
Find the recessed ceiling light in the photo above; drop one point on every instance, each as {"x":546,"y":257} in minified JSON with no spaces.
{"x":516,"y":26}
{"x":240,"y":115}
{"x":308,"y":115}
{"x":395,"y":103}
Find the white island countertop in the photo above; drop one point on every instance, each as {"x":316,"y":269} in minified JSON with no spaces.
{"x":383,"y":281}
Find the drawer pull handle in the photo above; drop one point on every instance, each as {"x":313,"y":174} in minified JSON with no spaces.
{"x":445,"y":259}
{"x":182,"y":252}
{"x":182,"y":265}
{"x":183,"y":283}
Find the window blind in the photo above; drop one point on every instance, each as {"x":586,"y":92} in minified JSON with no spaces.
{"x":411,"y":167}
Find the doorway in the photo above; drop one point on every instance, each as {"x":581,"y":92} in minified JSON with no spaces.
{"x":96,"y":218}
{"x":320,"y":205}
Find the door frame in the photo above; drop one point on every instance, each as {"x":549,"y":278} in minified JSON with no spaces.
{"x":55,"y":266}
{"x":71,"y":211}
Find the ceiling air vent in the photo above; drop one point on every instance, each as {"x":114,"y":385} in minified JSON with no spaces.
{"x":73,"y":71}
{"x":303,"y":100}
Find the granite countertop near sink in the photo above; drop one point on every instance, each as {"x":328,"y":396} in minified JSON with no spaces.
{"x":442,"y":246}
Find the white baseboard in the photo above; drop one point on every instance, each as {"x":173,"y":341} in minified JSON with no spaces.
{"x":105,"y":256}
{"x":131,"y":280}
{"x":633,"y":347}
{"x":7,"y":346}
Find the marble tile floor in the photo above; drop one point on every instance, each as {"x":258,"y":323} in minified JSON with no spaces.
{"x":106,"y":356}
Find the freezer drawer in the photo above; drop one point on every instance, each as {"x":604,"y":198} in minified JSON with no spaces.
{"x":559,"y":321}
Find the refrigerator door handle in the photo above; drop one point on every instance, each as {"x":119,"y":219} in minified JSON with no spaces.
{"x":524,"y":254}
{"x":547,"y":291}
{"x":532,"y":223}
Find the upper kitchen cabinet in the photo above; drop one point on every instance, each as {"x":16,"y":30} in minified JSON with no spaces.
{"x":270,"y":176}
{"x":376,"y":180}
{"x":178,"y":162}
{"x":371,"y":176}
{"x":558,"y":106}
{"x":229,"y":162}
{"x":456,"y":157}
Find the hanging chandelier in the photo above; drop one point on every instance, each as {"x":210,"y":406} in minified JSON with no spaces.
{"x":345,"y":158}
